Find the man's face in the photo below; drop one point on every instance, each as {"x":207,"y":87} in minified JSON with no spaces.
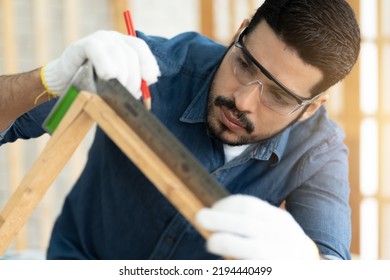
{"x":244,"y":105}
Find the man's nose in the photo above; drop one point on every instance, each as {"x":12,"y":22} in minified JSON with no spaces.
{"x":247,"y":97}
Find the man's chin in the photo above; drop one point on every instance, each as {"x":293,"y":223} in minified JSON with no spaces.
{"x":229,"y":138}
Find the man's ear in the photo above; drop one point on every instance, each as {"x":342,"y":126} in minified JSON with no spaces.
{"x":313,"y":107}
{"x":243,"y":24}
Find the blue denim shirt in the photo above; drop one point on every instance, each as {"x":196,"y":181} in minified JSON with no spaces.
{"x":114,"y":212}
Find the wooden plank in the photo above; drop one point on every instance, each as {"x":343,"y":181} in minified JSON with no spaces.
{"x":166,"y":181}
{"x":352,"y":123}
{"x":232,"y":16}
{"x":59,"y":149}
{"x":185,"y":183}
{"x":172,"y":152}
{"x":14,"y":151}
{"x":383,"y":218}
{"x":41,"y":31}
{"x":207,"y":18}
{"x":71,"y":12}
{"x":252,"y":8}
{"x":9,"y":40}
{"x":117,"y":9}
{"x":42,"y":50}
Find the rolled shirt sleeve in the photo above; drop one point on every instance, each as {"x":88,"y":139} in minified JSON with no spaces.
{"x":28,"y":125}
{"x":2,"y":133}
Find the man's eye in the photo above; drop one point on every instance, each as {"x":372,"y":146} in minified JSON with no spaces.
{"x":247,"y":67}
{"x":280,"y":98}
{"x":242,"y":63}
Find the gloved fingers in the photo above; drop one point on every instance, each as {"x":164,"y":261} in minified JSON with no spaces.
{"x":114,"y":59}
{"x":219,"y":221}
{"x":129,"y":66}
{"x":148,"y":65}
{"x":125,"y":58}
{"x":264,"y":214}
{"x":238,"y":247}
{"x":71,"y":59}
{"x":113,"y":55}
{"x":247,"y":205}
{"x":59,"y":72}
{"x":102,"y":61}
{"x":247,"y":227}
{"x":229,"y":245}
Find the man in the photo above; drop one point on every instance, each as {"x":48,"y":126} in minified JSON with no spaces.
{"x":251,"y":113}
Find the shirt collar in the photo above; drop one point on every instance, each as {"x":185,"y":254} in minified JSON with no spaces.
{"x":273,"y":148}
{"x":196,"y":111}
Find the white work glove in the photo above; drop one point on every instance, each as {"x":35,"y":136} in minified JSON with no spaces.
{"x":245,"y":227}
{"x":112,"y":54}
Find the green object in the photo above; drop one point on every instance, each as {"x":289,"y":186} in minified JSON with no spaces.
{"x":59,"y":110}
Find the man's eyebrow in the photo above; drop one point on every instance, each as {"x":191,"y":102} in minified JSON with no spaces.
{"x":267,"y":81}
{"x":273,"y":86}
{"x":247,"y":59}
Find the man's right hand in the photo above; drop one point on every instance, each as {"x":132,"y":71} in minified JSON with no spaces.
{"x":112,"y":54}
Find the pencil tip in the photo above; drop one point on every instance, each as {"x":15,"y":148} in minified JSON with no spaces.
{"x":148,"y":103}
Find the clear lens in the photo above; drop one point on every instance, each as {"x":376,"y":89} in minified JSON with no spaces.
{"x":247,"y":74}
{"x":278,"y":100}
{"x":244,"y":71}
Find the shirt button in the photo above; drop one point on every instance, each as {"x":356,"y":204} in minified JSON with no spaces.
{"x":169,"y":239}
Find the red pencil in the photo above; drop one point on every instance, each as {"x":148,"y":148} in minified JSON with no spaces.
{"x":144,"y":87}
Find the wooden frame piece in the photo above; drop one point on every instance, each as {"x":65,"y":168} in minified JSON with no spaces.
{"x":87,"y":109}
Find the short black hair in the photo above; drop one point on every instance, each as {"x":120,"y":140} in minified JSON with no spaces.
{"x":324,"y":33}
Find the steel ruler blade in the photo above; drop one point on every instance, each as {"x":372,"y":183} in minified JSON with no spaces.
{"x":177,"y":157}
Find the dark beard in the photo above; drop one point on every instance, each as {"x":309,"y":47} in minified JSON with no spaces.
{"x":231,"y":106}
{"x":215,"y":130}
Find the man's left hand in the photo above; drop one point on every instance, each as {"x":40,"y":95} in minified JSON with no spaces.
{"x":245,"y":227}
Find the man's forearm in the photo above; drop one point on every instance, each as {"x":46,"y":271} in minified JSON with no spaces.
{"x":17,"y":95}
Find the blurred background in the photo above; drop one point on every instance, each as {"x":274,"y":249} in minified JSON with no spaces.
{"x":33,"y":32}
